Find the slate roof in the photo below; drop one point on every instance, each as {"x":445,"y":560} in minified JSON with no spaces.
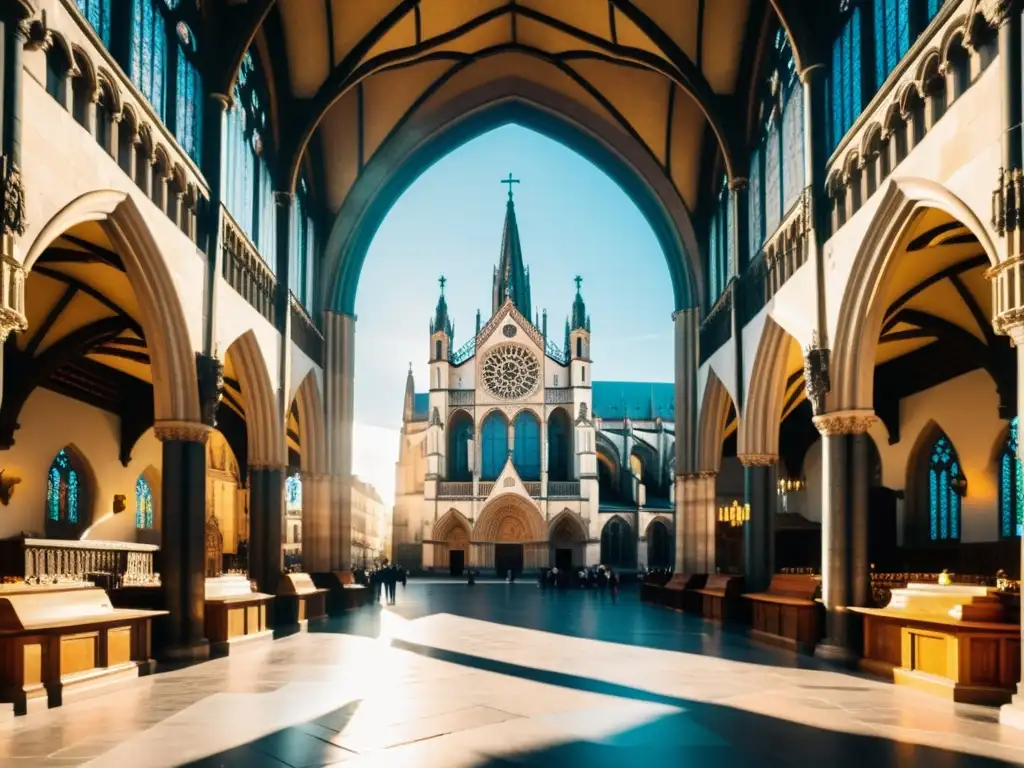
{"x":637,"y":400}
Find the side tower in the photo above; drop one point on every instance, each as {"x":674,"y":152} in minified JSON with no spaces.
{"x":580,"y":379}
{"x":442,"y":332}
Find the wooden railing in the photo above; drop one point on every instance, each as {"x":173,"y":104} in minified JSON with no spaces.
{"x":563,"y":489}
{"x":305,"y":334}
{"x":245,"y":271}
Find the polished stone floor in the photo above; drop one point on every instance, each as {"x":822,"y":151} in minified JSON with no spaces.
{"x":506,"y":675}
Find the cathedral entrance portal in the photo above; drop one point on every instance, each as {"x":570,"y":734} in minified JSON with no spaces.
{"x":456,"y":561}
{"x":510,"y":535}
{"x":563,"y":559}
{"x":508,"y":557}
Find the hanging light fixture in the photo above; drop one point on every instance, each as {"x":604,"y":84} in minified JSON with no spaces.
{"x":790,"y":485}
{"x":735,"y":515}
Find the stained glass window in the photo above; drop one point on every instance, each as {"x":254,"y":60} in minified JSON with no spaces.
{"x":143,"y":503}
{"x":494,"y":448}
{"x":300,"y":275}
{"x":460,"y":432}
{"x":97,"y":13}
{"x":772,"y":180}
{"x":846,"y":88}
{"x":148,"y":60}
{"x":559,"y":446}
{"x":792,"y":148}
{"x":63,"y":490}
{"x":526,"y":455}
{"x":944,"y":476}
{"x":188,"y":115}
{"x":892,"y":36}
{"x":1011,"y":487}
{"x":293,"y":492}
{"x":756,"y":220}
{"x":933,"y":8}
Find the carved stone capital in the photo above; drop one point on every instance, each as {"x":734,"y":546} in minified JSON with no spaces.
{"x":817,"y":379}
{"x":184,"y":431}
{"x":758,"y":459}
{"x":14,"y":220}
{"x":844,"y":422}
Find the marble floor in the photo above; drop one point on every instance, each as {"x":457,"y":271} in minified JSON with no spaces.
{"x":507,"y":675}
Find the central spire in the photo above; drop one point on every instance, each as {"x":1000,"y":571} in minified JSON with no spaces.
{"x":511,"y":278}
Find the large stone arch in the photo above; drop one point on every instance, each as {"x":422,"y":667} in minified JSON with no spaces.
{"x":449,"y":523}
{"x":488,"y":526}
{"x":428,"y":136}
{"x":863,"y":307}
{"x":759,"y":427}
{"x":316,"y":487}
{"x":264,"y":423}
{"x":172,"y":358}
{"x":308,"y":401}
{"x":714,"y":413}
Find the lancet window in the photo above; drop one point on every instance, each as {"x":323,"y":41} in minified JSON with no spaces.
{"x":460,"y":432}
{"x":494,"y":446}
{"x":944,"y":482}
{"x":97,"y":13}
{"x":300,"y":275}
{"x":148,"y":60}
{"x":143,"y":503}
{"x":248,"y":187}
{"x":63,"y":490}
{"x":188,"y":124}
{"x":1011,"y":487}
{"x":526,"y":453}
{"x":845,"y":78}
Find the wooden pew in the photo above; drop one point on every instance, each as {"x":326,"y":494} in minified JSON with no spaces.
{"x":299,"y":601}
{"x":720,"y":597}
{"x":56,"y":643}
{"x":651,"y":586}
{"x":235,"y":614}
{"x":675,"y":592}
{"x":787,"y":614}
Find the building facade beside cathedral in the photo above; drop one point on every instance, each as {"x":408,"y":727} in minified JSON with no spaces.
{"x":516,"y":459}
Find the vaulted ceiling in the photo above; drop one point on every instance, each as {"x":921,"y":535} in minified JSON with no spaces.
{"x":347,"y":74}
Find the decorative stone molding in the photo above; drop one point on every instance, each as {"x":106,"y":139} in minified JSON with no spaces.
{"x":14,"y":220}
{"x":692,"y":476}
{"x":817,"y":380}
{"x":184,"y":431}
{"x":844,"y":422}
{"x":12,"y":296}
{"x":758,"y":459}
{"x":37,"y":34}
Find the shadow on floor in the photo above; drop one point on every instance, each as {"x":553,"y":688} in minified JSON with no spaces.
{"x":697,"y":734}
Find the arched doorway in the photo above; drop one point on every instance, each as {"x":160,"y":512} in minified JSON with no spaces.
{"x":568,"y":542}
{"x":510,"y":535}
{"x":451,"y":536}
{"x":617,"y":544}
{"x":659,"y":545}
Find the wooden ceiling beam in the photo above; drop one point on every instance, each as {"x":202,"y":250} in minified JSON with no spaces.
{"x":130,"y":323}
{"x":51,"y":317}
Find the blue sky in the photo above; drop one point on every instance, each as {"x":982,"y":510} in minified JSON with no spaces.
{"x":572,"y":218}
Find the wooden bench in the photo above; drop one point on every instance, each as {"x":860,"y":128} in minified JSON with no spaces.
{"x":720,"y":597}
{"x":679,"y":590}
{"x":235,"y":615}
{"x":343,"y":594}
{"x":651,"y":586}
{"x":299,"y":601}
{"x":56,"y":643}
{"x":787,"y":614}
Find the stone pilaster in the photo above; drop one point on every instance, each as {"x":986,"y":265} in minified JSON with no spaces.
{"x":844,"y":534}
{"x":696,"y":521}
{"x":339,"y":342}
{"x":316,"y":521}
{"x":759,"y":479}
{"x":266,"y":525}
{"x":183,"y":538}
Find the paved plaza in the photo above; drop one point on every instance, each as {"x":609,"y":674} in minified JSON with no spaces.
{"x":507,"y":675}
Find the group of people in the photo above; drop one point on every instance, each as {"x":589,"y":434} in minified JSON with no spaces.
{"x":598,"y":577}
{"x":382,"y":578}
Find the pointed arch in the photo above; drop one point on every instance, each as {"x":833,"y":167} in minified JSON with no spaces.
{"x":762,"y":412}
{"x":70,"y":494}
{"x":172,"y":357}
{"x":312,"y":436}
{"x":264,"y":425}
{"x":934,"y":487}
{"x":863,"y":306}
{"x":489,"y":525}
{"x":569,"y":521}
{"x":460,"y":432}
{"x":618,"y":548}
{"x":449,"y":524}
{"x":494,"y":446}
{"x":1010,"y":476}
{"x":526,"y":447}
{"x":712,"y":421}
{"x":560,"y":446}
{"x":658,"y":536}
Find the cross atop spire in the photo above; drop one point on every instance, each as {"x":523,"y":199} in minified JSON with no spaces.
{"x":579,"y":281}
{"x":441,"y":281}
{"x":510,"y":181}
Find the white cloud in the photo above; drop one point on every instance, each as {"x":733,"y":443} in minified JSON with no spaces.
{"x":374,"y":453}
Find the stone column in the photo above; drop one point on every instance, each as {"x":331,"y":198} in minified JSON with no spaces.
{"x":283,"y":214}
{"x":844,"y":529}
{"x":316,"y":514}
{"x":183,"y":537}
{"x":687,"y":360}
{"x":759,"y":481}
{"x":696,"y":523}
{"x":339,"y":342}
{"x":266,"y":524}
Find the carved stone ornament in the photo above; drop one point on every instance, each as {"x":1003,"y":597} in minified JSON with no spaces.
{"x":435,"y":417}
{"x":844,"y":422}
{"x":583,"y":418}
{"x":816,"y":375}
{"x":997,"y":12}
{"x":120,"y":503}
{"x":12,"y":297}
{"x":184,"y":431}
{"x":758,"y":459}
{"x":210,"y":374}
{"x":14,"y":198}
{"x":38,"y":36}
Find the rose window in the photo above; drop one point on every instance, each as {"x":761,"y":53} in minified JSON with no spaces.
{"x":510,"y":372}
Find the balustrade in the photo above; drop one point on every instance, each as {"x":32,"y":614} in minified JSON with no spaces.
{"x":454,"y":490}
{"x":532,"y":488}
{"x":563,"y":489}
{"x":556,"y":396}
{"x":50,"y":561}
{"x":485,"y":486}
{"x":1007,"y":293}
{"x":461,"y":397}
{"x":305,"y":334}
{"x":245,"y":271}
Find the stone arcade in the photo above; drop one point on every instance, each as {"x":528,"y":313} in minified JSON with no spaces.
{"x":190,"y":190}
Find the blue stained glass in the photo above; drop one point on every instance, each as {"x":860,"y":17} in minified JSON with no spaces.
{"x":943,"y":500}
{"x":792,"y":148}
{"x":730,"y":238}
{"x":97,"y":13}
{"x":892,"y":36}
{"x":933,"y":8}
{"x":526,"y":455}
{"x":72,"y":507}
{"x":494,"y":446}
{"x":53,"y":494}
{"x":189,"y":109}
{"x":772,"y":180}
{"x":148,"y":58}
{"x":756,"y":232}
{"x":1011,"y":485}
{"x":712,"y":259}
{"x":143,"y":503}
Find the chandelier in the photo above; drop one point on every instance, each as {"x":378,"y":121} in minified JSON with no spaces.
{"x":735,"y":515}
{"x":789,"y":485}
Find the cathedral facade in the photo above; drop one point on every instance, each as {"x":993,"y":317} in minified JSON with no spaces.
{"x":513,"y":458}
